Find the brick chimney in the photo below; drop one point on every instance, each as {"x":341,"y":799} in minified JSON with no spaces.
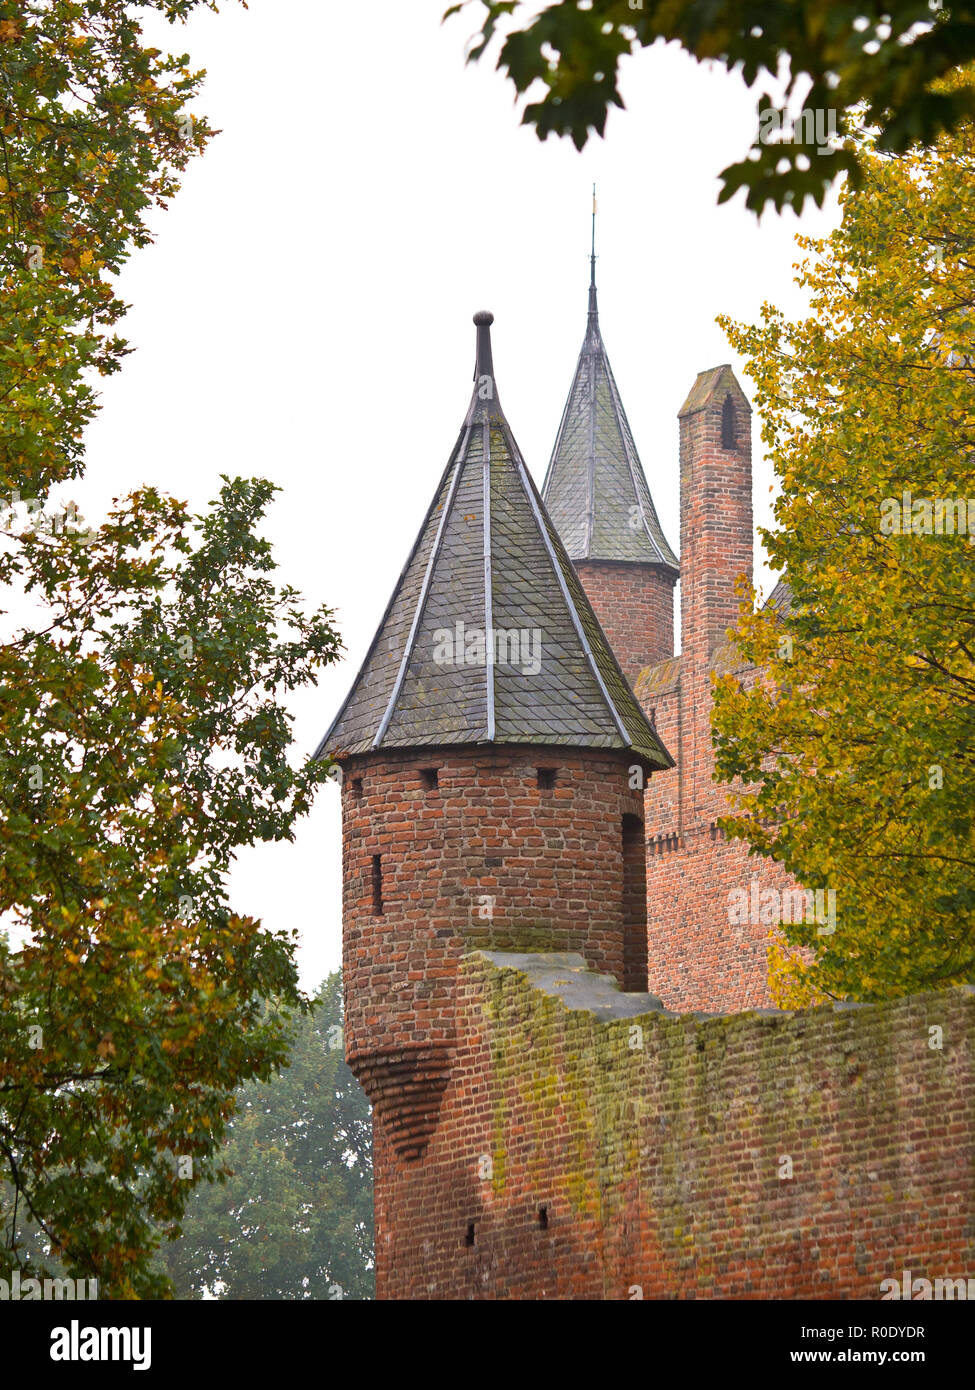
{"x":715,"y":508}
{"x":716,"y":547}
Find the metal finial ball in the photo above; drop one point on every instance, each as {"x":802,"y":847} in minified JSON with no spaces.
{"x":484,"y":318}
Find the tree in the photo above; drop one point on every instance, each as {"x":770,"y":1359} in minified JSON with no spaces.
{"x":886,"y":56}
{"x":143,"y":738}
{"x":295,"y":1219}
{"x":858,"y":740}
{"x":143,"y":742}
{"x":96,"y":130}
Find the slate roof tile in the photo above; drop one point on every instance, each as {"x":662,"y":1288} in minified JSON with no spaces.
{"x":595,"y":488}
{"x":489,"y":566}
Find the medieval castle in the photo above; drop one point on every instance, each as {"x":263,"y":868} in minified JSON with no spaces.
{"x":579,"y":1087}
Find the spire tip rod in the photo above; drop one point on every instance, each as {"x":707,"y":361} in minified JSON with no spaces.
{"x":592,"y":256}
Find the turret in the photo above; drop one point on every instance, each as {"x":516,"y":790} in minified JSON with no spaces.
{"x":493,"y":760}
{"x":597,"y":495}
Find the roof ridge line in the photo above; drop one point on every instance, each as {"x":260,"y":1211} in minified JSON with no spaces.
{"x":424,"y":591}
{"x":591,"y":450}
{"x":488,"y":579}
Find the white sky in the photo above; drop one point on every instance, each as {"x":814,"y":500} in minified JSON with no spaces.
{"x":305,"y":312}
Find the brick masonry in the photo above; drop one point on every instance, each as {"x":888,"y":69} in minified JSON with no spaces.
{"x":635,"y":607}
{"x":486,"y":857}
{"x":644,"y":1156}
{"x":697,"y":958}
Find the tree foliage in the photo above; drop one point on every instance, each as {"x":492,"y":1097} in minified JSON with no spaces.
{"x":143,"y":743}
{"x":859,"y":740}
{"x":96,"y":128}
{"x":143,"y":737}
{"x":295,"y":1219}
{"x":884,"y":58}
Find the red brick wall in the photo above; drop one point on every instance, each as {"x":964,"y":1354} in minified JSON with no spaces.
{"x":655,"y":1145}
{"x":635,"y":607}
{"x":487,"y":858}
{"x":662,"y":799}
{"x":634,"y":904}
{"x":697,"y":958}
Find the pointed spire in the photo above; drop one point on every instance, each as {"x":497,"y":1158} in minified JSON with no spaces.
{"x":593,"y":308}
{"x":595,"y":488}
{"x":489,"y":637}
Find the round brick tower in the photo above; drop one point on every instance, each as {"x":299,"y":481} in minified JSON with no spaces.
{"x":493,"y":762}
{"x":597,"y":495}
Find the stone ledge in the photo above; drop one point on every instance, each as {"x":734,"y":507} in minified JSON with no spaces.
{"x":566,"y":975}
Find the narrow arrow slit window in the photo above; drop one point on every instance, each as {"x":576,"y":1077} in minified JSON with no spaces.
{"x":377,"y":885}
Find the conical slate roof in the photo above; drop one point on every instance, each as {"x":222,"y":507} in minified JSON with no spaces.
{"x":489,"y":561}
{"x":595,"y":489}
